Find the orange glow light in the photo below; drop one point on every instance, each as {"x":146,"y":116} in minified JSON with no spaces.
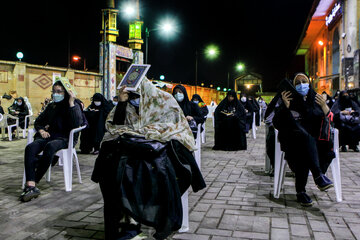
{"x":76,"y":58}
{"x":320,"y":42}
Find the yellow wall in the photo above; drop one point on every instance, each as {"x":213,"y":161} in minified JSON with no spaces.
{"x":35,"y":82}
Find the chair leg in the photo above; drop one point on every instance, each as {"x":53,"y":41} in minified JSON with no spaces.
{"x":185,"y":208}
{"x":48,"y":174}
{"x":67,"y":167}
{"x":77,"y":166}
{"x":335,"y":169}
{"x":279,"y":173}
{"x":9,"y":133}
{"x":24,"y":180}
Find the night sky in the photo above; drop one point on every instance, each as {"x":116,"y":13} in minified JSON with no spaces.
{"x":261,"y":34}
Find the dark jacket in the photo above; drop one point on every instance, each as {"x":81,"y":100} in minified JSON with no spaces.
{"x":59,"y":119}
{"x":189,"y":108}
{"x":203,"y":108}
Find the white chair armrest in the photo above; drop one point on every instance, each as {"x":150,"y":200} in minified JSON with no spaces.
{"x":30,"y":137}
{"x":27,"y":121}
{"x":71,"y":138}
{"x":12,"y":117}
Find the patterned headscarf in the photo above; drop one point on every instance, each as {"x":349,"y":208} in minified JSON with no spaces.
{"x":160,"y":118}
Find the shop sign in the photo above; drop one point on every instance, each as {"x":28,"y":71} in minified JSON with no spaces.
{"x":333,"y":15}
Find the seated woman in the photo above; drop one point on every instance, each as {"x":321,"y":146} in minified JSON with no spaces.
{"x":347,"y":120}
{"x":256,"y":108}
{"x":96,"y":115}
{"x":329,"y":100}
{"x":299,"y":119}
{"x":249,"y":109}
{"x":202,"y":106}
{"x":53,"y":127}
{"x":145,"y":164}
{"x":18,"y":109}
{"x":190,"y":109}
{"x":230,"y":120}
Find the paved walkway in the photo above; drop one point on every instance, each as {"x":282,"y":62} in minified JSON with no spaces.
{"x":237,"y":203}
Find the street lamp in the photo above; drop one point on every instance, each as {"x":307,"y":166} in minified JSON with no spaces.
{"x":162,"y":77}
{"x":167,"y":27}
{"x":19,"y":55}
{"x":211,"y":52}
{"x":77,"y":59}
{"x":238,"y":67}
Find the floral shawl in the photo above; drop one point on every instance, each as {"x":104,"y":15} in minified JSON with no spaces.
{"x":160,"y":118}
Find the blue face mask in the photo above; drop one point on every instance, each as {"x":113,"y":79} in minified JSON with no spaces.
{"x":58,"y":97}
{"x":302,"y":88}
{"x":135,"y":102}
{"x":179,"y":97}
{"x":197,"y":102}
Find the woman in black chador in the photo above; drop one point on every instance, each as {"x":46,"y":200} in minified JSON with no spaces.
{"x":230,"y":120}
{"x":347,"y":114}
{"x":249,"y":109}
{"x":300,"y":119}
{"x":96,"y":115}
{"x":18,"y":109}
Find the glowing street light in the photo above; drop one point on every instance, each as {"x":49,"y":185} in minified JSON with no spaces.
{"x":129,"y":10}
{"x":218,"y":88}
{"x":240,"y":67}
{"x":77,"y":59}
{"x":168,"y":27}
{"x":320,"y":42}
{"x":162,"y":77}
{"x":19,"y":55}
{"x":212,"y":51}
{"x":224,"y":89}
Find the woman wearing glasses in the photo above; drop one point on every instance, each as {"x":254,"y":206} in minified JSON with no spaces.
{"x":53,"y":126}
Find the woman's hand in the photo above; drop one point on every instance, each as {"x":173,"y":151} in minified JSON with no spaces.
{"x":322,"y":103}
{"x":72,"y":98}
{"x":123,"y":94}
{"x":285,"y":95}
{"x":189,"y":118}
{"x":345,"y":112}
{"x":44,"y":134}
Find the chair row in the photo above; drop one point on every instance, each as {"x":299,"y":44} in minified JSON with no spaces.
{"x":4,"y":125}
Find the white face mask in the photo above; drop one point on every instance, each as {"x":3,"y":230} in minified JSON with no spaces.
{"x":243,"y":99}
{"x":97,"y":103}
{"x":115,"y":103}
{"x":19,"y":103}
{"x":179,"y":97}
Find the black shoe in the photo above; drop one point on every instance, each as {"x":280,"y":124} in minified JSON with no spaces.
{"x":323,"y":183}
{"x":343,"y":149}
{"x":304,"y":199}
{"x":29,"y":193}
{"x":355,"y":148}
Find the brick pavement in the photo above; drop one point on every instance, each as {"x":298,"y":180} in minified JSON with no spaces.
{"x":236,"y":204}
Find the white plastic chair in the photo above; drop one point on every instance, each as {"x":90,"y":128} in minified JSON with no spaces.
{"x":267,"y":159}
{"x":211,"y":113}
{"x":279,"y":171}
{"x":203,"y":133}
{"x":26,"y":126}
{"x":4,"y":124}
{"x":254,"y":126}
{"x":185,"y":196}
{"x":65,"y":160}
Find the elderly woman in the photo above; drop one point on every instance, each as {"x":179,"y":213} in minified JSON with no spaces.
{"x":299,"y":119}
{"x":145,"y":164}
{"x":347,"y":120}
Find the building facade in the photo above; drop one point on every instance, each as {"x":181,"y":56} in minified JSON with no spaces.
{"x":330,"y":45}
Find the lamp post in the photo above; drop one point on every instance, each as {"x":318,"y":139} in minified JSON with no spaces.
{"x":166,"y":27}
{"x":211,"y":52}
